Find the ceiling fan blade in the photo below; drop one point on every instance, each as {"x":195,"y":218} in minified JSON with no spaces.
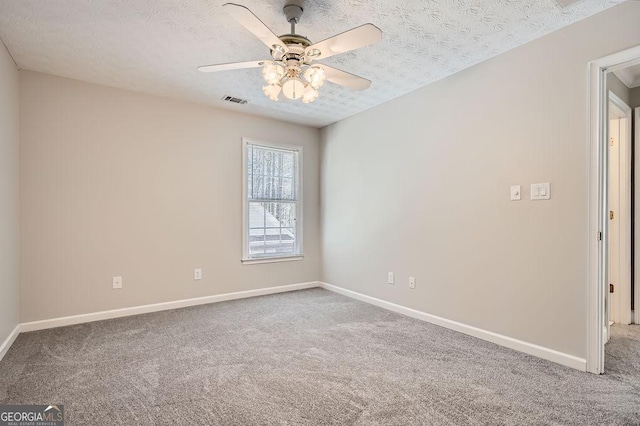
{"x":251,"y":22}
{"x":346,"y":79}
{"x":231,"y":66}
{"x":361,"y":36}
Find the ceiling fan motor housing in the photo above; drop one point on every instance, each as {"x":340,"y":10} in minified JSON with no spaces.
{"x":296,"y":49}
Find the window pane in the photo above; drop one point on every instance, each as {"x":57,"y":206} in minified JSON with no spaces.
{"x":286,"y":214}
{"x":271,"y":173}
{"x":256,"y":216}
{"x":287,"y":188}
{"x":257,"y":190}
{"x":271,"y":228}
{"x":288,"y":165}
{"x":256,"y":241}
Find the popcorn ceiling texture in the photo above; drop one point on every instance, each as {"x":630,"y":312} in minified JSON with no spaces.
{"x":154,"y":46}
{"x":308,"y":357}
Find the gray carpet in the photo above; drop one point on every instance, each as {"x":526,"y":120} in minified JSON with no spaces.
{"x":622,"y":357}
{"x":310,"y":357}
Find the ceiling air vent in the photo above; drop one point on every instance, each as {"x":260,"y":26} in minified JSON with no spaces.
{"x":234,"y":100}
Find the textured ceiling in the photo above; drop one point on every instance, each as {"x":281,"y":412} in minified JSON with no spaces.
{"x":154,"y":46}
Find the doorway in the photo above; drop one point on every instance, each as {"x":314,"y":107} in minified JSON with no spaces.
{"x":619,"y":239}
{"x":610,"y":209}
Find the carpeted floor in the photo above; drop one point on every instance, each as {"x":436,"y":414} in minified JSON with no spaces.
{"x":622,"y":356}
{"x":309,"y":357}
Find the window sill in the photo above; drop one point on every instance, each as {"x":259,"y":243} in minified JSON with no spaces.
{"x":258,"y":260}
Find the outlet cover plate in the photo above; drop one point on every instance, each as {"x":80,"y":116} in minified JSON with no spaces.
{"x":117,"y":282}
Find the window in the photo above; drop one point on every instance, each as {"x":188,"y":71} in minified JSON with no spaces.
{"x":272,"y":202}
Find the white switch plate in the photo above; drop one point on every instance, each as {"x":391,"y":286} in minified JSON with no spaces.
{"x":412,"y":282}
{"x":390,"y":277}
{"x":516,"y":193}
{"x":540,"y":191}
{"x":197,"y":274}
{"x":117,"y":282}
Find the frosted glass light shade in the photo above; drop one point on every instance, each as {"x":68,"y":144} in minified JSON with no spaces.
{"x":293,"y":88}
{"x":315,"y":75}
{"x":272,"y":72}
{"x":310,"y":94}
{"x":272,"y":91}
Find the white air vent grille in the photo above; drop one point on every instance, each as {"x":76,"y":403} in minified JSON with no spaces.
{"x":234,"y":100}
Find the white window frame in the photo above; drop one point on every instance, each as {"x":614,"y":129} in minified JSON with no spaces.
{"x":248,"y":259}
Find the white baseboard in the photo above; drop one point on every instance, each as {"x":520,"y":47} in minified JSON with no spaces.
{"x":4,"y":347}
{"x":136,"y":310}
{"x":519,"y":345}
{"x":509,"y":342}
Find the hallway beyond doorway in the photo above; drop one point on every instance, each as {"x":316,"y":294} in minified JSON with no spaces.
{"x":622,"y":359}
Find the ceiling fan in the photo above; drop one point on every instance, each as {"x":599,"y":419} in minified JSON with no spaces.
{"x":290,"y":71}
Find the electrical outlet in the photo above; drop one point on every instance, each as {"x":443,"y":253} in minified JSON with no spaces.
{"x":390,"y":277}
{"x":197,"y":274}
{"x":412,"y":282}
{"x":117,"y":282}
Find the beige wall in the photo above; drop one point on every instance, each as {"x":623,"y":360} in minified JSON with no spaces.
{"x":8,"y":194}
{"x":119,"y":183}
{"x":618,"y":88}
{"x":420,"y":186}
{"x":635,"y":97}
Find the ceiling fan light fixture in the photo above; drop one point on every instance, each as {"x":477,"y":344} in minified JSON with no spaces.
{"x":272,"y":72}
{"x":315,"y":75}
{"x":293,"y":88}
{"x":272,"y":91}
{"x":314,"y":53}
{"x":309,"y":95}
{"x":277,"y":52}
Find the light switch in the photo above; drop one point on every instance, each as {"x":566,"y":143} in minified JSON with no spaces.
{"x":515,"y":192}
{"x":540,"y":191}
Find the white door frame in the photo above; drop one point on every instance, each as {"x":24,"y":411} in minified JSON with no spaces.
{"x":623,"y":286}
{"x":598,"y":214}
{"x":636,"y":241}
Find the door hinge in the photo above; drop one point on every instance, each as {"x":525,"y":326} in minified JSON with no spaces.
{"x":611,"y":214}
{"x":610,"y":288}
